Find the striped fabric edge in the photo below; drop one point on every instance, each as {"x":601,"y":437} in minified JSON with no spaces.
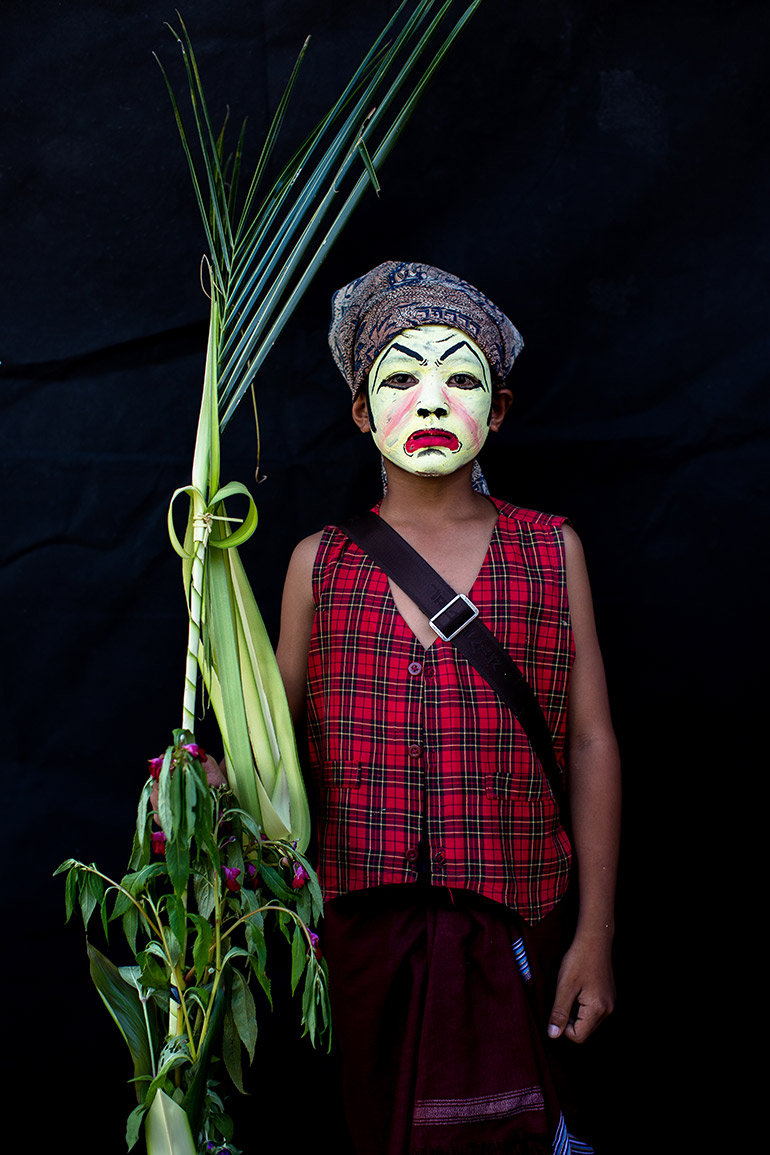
{"x":566,"y":1144}
{"x":506,"y":1103}
{"x":522,"y":962}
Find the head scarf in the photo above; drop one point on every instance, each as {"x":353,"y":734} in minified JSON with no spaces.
{"x":398,"y":295}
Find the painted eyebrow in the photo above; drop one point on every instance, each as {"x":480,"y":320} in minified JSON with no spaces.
{"x":409,"y":352}
{"x":455,"y":347}
{"x":401,"y":349}
{"x":466,"y":345}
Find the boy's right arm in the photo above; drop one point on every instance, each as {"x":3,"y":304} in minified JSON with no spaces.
{"x":297,"y":613}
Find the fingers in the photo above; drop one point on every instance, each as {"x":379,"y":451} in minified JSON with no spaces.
{"x":576,"y":1024}
{"x":559,"y":1019}
{"x":579,"y":1008}
{"x":215,"y":775}
{"x":584,"y":1021}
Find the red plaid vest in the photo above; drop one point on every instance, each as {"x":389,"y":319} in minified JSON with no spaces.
{"x":409,"y":744}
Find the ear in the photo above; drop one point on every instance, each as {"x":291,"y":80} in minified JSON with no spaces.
{"x":501,"y":403}
{"x":361,"y":413}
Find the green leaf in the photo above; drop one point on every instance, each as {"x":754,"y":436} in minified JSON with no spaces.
{"x":178,"y":863}
{"x":249,"y":523}
{"x":309,"y":1008}
{"x":223,"y":1124}
{"x":255,"y":942}
{"x":204,"y":884}
{"x":261,"y":264}
{"x":251,"y":826}
{"x":177,"y":916}
{"x":275,"y":882}
{"x":140,"y":853}
{"x":137,"y":881}
{"x":202,"y":945}
{"x":167,"y":1128}
{"x":91,"y":891}
{"x":71,"y":891}
{"x":199,"y":995}
{"x":173,"y":945}
{"x":195,"y":1097}
{"x":231,"y":1050}
{"x":234,"y":952}
{"x":131,"y":927}
{"x":244,"y":1012}
{"x":165,"y":782}
{"x":303,"y":904}
{"x":124,"y":1005}
{"x":123,"y":902}
{"x":298,"y":956}
{"x":312,"y":885}
{"x":258,"y":968}
{"x":364,"y":153}
{"x":134,"y":1125}
{"x":154,"y":975}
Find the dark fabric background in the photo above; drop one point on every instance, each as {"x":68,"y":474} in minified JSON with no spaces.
{"x":600,"y":170}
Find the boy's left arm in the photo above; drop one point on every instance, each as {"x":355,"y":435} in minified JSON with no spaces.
{"x":585,"y":992}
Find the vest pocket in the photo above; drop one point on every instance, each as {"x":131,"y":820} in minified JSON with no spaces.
{"x":531,"y":787}
{"x":343,"y":775}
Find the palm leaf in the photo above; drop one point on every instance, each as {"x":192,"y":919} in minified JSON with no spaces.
{"x":261,"y":258}
{"x":257,"y":253}
{"x":167,"y":1128}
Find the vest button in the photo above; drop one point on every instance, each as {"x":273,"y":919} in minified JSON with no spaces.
{"x":411,"y":856}
{"x":414,"y":668}
{"x":415,"y":751}
{"x":440,"y":858}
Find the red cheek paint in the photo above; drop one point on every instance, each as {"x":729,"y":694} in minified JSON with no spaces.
{"x":394,"y":418}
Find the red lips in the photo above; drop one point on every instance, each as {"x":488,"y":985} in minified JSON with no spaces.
{"x":428,"y":438}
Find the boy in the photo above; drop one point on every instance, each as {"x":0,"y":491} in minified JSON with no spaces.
{"x":441,"y":845}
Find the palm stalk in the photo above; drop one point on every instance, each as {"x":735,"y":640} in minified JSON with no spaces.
{"x":261,"y":257}
{"x":194,"y":916}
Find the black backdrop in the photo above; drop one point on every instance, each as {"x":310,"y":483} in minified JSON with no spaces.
{"x":600,"y":170}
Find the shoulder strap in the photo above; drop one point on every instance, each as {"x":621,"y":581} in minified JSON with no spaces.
{"x":455,"y":619}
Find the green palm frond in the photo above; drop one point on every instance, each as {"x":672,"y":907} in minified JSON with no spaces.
{"x":264,"y":253}
{"x":263,"y":249}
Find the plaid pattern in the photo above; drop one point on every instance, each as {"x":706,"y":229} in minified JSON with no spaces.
{"x":406,"y":741}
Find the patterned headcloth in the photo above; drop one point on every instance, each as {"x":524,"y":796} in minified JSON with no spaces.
{"x":398,"y":295}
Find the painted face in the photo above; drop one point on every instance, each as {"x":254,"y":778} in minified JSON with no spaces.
{"x":430,"y":396}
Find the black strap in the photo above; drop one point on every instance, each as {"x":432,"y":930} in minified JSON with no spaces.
{"x":474,"y":640}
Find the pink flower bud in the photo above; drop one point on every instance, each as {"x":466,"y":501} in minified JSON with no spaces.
{"x":158,"y":842}
{"x":316,"y":943}
{"x":300,"y":876}
{"x":231,"y":879}
{"x":156,"y":765}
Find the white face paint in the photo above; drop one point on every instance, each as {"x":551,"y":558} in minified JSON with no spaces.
{"x":430,"y":397}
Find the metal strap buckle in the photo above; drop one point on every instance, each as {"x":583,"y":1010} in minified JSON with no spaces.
{"x":451,"y":625}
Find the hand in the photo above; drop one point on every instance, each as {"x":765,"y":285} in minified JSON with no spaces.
{"x":585,"y":990}
{"x":215,"y":776}
{"x":215,"y":772}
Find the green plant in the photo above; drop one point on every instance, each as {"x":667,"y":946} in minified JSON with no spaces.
{"x":216,"y":858}
{"x":193,"y":907}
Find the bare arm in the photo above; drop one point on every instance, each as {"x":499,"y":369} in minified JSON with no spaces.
{"x":593,"y":768}
{"x":297,"y":613}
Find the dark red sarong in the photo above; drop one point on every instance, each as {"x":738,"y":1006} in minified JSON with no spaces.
{"x":443,"y":1044}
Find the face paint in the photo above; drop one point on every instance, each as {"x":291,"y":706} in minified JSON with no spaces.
{"x":430,"y":397}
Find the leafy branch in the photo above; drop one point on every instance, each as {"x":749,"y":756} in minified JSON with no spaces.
{"x":213,"y":858}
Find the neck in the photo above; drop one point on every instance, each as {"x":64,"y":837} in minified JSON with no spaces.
{"x":412,"y":498}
